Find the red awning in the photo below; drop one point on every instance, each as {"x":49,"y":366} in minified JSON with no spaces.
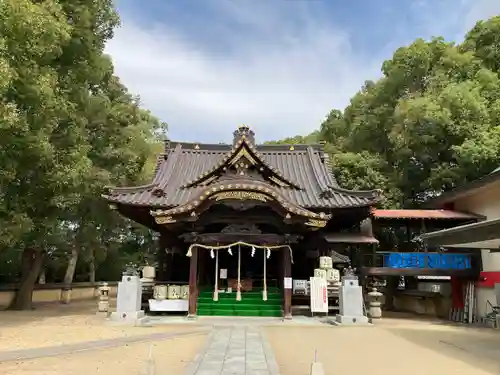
{"x":423,"y":214}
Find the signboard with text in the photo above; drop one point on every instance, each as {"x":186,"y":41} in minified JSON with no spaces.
{"x":319,"y":295}
{"x":443,"y":261}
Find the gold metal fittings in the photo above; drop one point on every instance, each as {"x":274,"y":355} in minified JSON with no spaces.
{"x":241,"y":195}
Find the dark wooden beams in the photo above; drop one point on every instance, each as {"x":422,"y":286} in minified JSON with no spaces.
{"x":228,"y":238}
{"x":287,"y":292}
{"x":193,"y":283}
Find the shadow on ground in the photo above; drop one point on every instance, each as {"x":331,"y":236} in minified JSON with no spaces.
{"x":477,"y":347}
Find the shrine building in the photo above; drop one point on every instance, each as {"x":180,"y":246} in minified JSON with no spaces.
{"x":243,"y":218}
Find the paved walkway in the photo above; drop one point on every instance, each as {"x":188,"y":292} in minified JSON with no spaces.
{"x":237,"y":350}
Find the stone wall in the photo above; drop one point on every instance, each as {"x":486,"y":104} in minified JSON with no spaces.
{"x":47,"y":293}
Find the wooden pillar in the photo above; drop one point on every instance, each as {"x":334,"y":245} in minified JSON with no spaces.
{"x":162,"y":257}
{"x":193,"y":283}
{"x":287,"y":293}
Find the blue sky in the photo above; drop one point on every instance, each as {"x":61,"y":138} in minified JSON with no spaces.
{"x":279,"y":66}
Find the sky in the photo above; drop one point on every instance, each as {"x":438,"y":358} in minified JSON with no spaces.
{"x":279,"y":66}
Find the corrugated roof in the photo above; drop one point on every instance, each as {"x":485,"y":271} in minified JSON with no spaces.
{"x":422,"y":214}
{"x":184,"y":162}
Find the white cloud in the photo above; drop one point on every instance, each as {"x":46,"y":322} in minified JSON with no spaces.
{"x":281,"y":80}
{"x":277,"y":82}
{"x":478,"y":10}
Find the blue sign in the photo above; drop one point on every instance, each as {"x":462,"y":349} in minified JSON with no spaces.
{"x":443,"y":261}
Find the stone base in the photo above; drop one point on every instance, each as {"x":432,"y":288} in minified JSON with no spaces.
{"x":136,"y":318}
{"x":351,"y":320}
{"x":317,"y":369}
{"x":287,"y":317}
{"x":192,"y":317}
{"x":104,"y":314}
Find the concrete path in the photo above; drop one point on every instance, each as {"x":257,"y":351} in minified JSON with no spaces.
{"x":49,"y":351}
{"x":236,"y":350}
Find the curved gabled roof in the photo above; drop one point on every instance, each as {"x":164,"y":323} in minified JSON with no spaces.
{"x":243,"y":149}
{"x":177,"y":180}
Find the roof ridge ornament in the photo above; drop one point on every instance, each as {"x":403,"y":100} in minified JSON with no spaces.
{"x":243,"y":132}
{"x":244,"y":148}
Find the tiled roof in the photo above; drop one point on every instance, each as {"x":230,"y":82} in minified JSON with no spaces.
{"x":422,"y":214}
{"x":183,"y":163}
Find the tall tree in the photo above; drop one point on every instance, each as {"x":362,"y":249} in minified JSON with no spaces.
{"x":43,"y":155}
{"x":68,"y":127}
{"x":430,"y":123}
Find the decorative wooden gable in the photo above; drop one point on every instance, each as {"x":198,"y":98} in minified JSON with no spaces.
{"x":245,"y":162}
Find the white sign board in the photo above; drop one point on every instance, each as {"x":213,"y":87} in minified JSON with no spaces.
{"x":319,"y":295}
{"x":287,"y":283}
{"x":223,"y":273}
{"x":179,"y":305}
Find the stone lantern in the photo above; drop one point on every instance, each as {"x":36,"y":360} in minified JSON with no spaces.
{"x":103,"y":306}
{"x":375,"y":303}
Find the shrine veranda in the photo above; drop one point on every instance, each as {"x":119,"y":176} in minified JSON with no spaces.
{"x":237,"y":223}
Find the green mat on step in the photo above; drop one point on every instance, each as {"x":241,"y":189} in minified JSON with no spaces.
{"x":251,"y":304}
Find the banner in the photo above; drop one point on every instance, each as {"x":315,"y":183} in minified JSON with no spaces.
{"x":319,"y":295}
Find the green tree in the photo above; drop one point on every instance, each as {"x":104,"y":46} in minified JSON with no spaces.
{"x":429,"y":124}
{"x":68,"y":128}
{"x":297,"y":140}
{"x":431,"y":119}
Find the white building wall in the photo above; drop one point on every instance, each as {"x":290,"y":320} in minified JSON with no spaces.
{"x":484,"y":201}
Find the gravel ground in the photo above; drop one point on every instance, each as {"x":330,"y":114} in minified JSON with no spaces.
{"x":58,"y":324}
{"x":393,"y":346}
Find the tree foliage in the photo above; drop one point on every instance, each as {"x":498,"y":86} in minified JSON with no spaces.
{"x":429,"y":124}
{"x":68,"y":127}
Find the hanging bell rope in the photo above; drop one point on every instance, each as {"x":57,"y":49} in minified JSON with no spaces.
{"x":228,"y":248}
{"x":216,"y":287}
{"x":238,"y":290}
{"x":266,"y":253}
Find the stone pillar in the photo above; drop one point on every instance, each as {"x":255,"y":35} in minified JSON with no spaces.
{"x":351,"y":301}
{"x":193,"y":283}
{"x":103,"y":306}
{"x":162,"y":257}
{"x":287,"y":292}
{"x":66,"y":294}
{"x":129,"y":301}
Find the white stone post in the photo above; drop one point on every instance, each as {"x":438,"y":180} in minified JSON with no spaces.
{"x":129,"y":299}
{"x":238,"y":290}
{"x":216,"y":286}
{"x":351,"y":302}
